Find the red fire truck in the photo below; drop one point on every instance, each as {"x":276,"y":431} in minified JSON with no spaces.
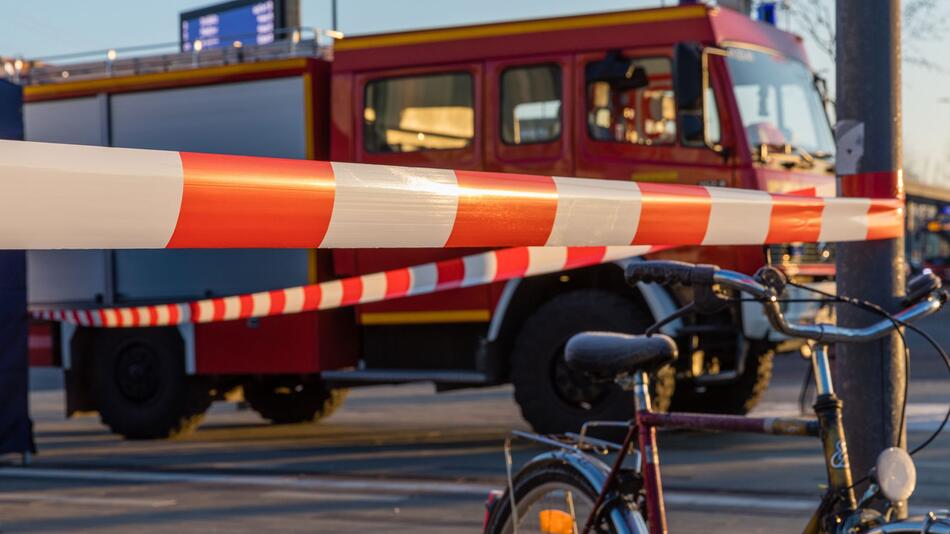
{"x":689,"y":95}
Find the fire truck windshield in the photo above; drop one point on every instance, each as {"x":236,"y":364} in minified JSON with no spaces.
{"x":779,"y":103}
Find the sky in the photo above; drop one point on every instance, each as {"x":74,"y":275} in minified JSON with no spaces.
{"x":37,"y":28}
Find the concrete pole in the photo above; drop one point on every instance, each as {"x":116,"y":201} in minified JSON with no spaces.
{"x":870,"y":377}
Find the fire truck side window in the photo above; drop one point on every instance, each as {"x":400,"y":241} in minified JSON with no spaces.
{"x":531,"y":104}
{"x":430,"y":112}
{"x":641,"y":116}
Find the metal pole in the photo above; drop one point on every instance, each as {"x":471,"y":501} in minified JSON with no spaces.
{"x":870,"y":376}
{"x":333,"y":15}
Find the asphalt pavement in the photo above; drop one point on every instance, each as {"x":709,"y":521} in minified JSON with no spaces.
{"x":405,"y":459}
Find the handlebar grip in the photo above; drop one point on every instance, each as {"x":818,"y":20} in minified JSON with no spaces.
{"x":920,"y":286}
{"x":670,"y":272}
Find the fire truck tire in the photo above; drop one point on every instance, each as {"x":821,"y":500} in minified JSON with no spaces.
{"x":554,"y":399}
{"x":284,"y":404}
{"x":142,"y":389}
{"x":737,"y":398}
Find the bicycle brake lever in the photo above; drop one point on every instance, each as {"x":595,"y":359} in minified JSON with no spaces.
{"x":772,"y":277}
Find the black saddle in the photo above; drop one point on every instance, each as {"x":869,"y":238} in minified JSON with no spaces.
{"x":604,"y":355}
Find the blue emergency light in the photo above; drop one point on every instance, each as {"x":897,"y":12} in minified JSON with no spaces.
{"x":765,"y":12}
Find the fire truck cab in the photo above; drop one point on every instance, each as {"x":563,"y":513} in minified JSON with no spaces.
{"x":691,"y":95}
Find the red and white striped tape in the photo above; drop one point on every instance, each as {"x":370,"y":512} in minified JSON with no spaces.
{"x":467,"y":271}
{"x":67,"y":196}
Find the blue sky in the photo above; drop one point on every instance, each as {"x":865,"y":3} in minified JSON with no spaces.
{"x":37,"y":28}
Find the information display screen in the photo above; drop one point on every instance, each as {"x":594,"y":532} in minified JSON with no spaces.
{"x":247,"y":21}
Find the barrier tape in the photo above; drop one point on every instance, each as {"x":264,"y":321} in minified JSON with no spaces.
{"x":467,"y":271}
{"x":67,"y":196}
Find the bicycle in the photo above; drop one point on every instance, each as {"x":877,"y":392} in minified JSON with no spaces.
{"x":570,"y":489}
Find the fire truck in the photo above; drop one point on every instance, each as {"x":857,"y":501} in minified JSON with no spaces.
{"x":692,"y":94}
{"x":928,"y":228}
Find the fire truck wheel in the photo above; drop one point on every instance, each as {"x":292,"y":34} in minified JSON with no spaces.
{"x":737,"y":397}
{"x":142,"y":389}
{"x":554,"y":399}
{"x":284,"y":404}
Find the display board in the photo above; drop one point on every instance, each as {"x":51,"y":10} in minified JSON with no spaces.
{"x":246,"y":21}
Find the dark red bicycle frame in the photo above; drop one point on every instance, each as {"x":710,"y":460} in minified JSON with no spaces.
{"x":648,"y":422}
{"x":828,"y":427}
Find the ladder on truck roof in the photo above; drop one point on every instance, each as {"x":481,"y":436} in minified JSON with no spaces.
{"x":133,"y":61}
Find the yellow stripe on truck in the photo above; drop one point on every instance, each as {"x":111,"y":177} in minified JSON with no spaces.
{"x":512,"y":28}
{"x":425,"y":317}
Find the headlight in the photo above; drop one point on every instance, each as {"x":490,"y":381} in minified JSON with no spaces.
{"x":895,"y":474}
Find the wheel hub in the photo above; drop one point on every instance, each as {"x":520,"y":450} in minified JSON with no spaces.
{"x":137,"y":373}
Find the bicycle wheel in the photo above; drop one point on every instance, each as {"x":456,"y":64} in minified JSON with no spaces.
{"x":553,"y":497}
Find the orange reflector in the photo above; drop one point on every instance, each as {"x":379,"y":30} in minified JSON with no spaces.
{"x":556,"y":522}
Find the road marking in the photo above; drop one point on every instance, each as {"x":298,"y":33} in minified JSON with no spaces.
{"x":70,"y":499}
{"x":322,"y":496}
{"x":734,"y":501}
{"x":928,"y":464}
{"x":326,"y":484}
{"x":921,"y":416}
{"x":687,"y":498}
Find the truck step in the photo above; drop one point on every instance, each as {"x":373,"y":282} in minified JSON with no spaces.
{"x":399,"y":376}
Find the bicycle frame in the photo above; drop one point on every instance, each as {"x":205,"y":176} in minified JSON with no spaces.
{"x":828,"y":428}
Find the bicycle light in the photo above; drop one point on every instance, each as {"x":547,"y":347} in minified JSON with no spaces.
{"x":896,"y":474}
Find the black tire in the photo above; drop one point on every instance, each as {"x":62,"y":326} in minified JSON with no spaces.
{"x":545,"y":483}
{"x":290,"y":403}
{"x":552,"y":398}
{"x":736,"y":398}
{"x":142,"y":390}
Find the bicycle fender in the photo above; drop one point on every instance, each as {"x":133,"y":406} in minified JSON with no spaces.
{"x":596,"y":473}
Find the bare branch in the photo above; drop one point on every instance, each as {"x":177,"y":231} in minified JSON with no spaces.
{"x":921,"y":21}
{"x":817,"y":20}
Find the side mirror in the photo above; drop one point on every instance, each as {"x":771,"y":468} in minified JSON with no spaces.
{"x":618,"y":72}
{"x":690,"y":83}
{"x":822,"y":85}
{"x":691,"y":127}
{"x":688,"y":76}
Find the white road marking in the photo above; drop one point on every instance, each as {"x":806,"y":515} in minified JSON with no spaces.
{"x":733,"y":501}
{"x":921,"y":416}
{"x":326,"y":484}
{"x":93,"y":501}
{"x":293,"y":486}
{"x":736,"y":501}
{"x":324,"y":496}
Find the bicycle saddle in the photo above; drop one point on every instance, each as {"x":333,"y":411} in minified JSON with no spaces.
{"x":604,"y":355}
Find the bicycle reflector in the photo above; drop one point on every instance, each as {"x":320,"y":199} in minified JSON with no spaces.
{"x":895,"y":474}
{"x":556,"y":522}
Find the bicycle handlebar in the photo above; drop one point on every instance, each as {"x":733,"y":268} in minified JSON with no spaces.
{"x":925,"y":297}
{"x":671,"y":272}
